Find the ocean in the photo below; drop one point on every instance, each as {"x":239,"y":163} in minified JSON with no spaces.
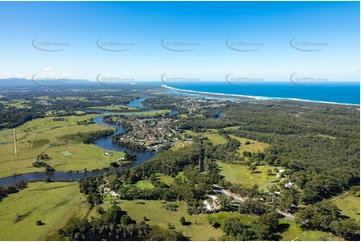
{"x":335,"y":92}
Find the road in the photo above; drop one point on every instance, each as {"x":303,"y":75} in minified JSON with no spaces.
{"x":238,"y":199}
{"x":220,"y":190}
{"x":288,"y":216}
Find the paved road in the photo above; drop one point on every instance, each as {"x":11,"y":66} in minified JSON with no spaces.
{"x":220,"y":190}
{"x":288,"y":216}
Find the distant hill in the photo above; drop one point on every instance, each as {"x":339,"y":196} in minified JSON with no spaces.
{"x":22,"y":82}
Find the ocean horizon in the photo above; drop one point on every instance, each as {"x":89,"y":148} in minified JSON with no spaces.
{"x":347,"y":93}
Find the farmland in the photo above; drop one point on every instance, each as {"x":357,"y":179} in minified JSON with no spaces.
{"x":45,"y":135}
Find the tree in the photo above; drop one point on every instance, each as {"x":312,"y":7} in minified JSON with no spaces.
{"x":233,"y":226}
{"x":318,"y":216}
{"x":270,"y":220}
{"x":153,"y":179}
{"x":250,"y":206}
{"x":39,"y":223}
{"x":213,"y":221}
{"x":225,"y":201}
{"x":125,"y":220}
{"x":100,"y":210}
{"x":269,"y":172}
{"x":252,"y":168}
{"x":349,"y":229}
{"x":182,"y":220}
{"x":288,"y":198}
{"x":113,"y":214}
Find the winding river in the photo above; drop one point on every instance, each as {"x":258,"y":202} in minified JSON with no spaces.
{"x":104,"y":142}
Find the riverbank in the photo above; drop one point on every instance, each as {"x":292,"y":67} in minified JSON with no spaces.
{"x":71,"y":161}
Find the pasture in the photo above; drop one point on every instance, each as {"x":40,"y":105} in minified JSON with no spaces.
{"x":46,"y":135}
{"x":238,"y":173}
{"x":52,"y":203}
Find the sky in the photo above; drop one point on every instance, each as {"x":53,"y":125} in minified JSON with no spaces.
{"x":201,"y":40}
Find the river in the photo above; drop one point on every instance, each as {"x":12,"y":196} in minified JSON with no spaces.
{"x":104,"y":142}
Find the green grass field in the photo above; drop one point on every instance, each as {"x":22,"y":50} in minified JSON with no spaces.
{"x":180,"y":144}
{"x":232,"y":128}
{"x":199,"y":229}
{"x":46,"y":135}
{"x":317,"y":236}
{"x":168,"y":179}
{"x":245,"y":219}
{"x":52,"y":203}
{"x":19,"y":104}
{"x":213,"y":136}
{"x":292,"y":231}
{"x":237,"y":173}
{"x":254,"y":145}
{"x":164,"y":178}
{"x":144,"y":184}
{"x":349,"y":206}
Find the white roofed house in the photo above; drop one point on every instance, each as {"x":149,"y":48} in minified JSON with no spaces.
{"x":289,"y":185}
{"x":212,"y":204}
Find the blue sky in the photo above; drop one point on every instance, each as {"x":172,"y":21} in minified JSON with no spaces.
{"x":325,"y":39}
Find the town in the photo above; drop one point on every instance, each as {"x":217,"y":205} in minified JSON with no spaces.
{"x":152,"y":134}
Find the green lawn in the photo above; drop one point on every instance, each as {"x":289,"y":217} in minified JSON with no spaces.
{"x":46,"y":135}
{"x":254,"y":145}
{"x":180,"y":144}
{"x":294,"y":232}
{"x":237,"y":173}
{"x":245,"y":219}
{"x":157,"y":215}
{"x":52,"y":203}
{"x":213,"y":136}
{"x":164,"y":178}
{"x":290,"y":230}
{"x":144,"y":184}
{"x":349,"y":206}
{"x":317,"y":236}
{"x":232,"y":128}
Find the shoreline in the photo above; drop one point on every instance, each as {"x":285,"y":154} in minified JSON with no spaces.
{"x":258,"y":98}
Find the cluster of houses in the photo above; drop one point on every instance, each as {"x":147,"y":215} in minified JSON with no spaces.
{"x":193,"y":105}
{"x":150,"y":133}
{"x":112,"y":193}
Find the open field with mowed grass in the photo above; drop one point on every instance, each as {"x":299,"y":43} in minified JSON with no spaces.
{"x":144,"y":184}
{"x":213,"y":136}
{"x":168,"y":179}
{"x":317,"y":236}
{"x":349,"y":206}
{"x":291,"y":231}
{"x":53,"y":203}
{"x":199,"y":229}
{"x":254,"y":145}
{"x":238,"y":173}
{"x":45,"y":136}
{"x":181,"y":144}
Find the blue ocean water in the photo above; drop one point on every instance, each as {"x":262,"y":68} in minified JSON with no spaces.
{"x":335,"y":92}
